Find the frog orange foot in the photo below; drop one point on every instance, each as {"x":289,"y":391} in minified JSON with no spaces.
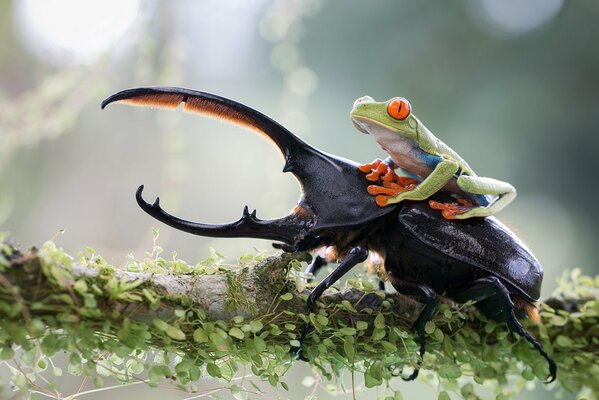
{"x":378,"y":169}
{"x":388,"y":190}
{"x":450,"y":210}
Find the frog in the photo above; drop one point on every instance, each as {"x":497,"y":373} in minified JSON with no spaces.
{"x":428,"y":164}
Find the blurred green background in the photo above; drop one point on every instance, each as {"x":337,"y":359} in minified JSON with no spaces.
{"x":512,"y":86}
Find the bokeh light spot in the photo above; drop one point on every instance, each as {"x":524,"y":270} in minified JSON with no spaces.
{"x":511,"y":18}
{"x":64,"y":32}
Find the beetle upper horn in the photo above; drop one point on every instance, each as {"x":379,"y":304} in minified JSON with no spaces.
{"x":333,"y":189}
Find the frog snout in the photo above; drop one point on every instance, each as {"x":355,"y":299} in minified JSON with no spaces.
{"x":360,"y":125}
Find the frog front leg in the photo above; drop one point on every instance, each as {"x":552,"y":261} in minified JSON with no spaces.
{"x":435,"y":181}
{"x":485,"y":186}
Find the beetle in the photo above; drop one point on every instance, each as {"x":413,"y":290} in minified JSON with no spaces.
{"x":425,"y":256}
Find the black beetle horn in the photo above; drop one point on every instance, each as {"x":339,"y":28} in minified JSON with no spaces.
{"x":289,"y":229}
{"x":333,"y":189}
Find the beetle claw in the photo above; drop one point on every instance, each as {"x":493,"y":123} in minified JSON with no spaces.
{"x":412,"y":376}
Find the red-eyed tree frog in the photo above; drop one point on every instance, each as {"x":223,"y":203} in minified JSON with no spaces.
{"x":414,"y":149}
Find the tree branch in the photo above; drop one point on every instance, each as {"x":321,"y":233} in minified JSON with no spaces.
{"x":215,"y":316}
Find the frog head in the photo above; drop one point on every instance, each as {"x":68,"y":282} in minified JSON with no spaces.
{"x":383,"y":118}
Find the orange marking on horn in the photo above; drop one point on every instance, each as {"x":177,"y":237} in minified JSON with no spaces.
{"x":300,"y":212}
{"x":220,"y":111}
{"x":170,"y":101}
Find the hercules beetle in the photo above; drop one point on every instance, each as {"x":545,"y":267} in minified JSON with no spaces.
{"x":424,"y":255}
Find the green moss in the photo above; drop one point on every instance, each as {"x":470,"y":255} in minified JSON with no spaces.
{"x":237,"y":299}
{"x":109,"y":326}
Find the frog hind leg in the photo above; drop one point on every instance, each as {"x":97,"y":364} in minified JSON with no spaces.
{"x":485,"y":186}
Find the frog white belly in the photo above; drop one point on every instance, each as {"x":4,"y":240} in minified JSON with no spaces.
{"x":409,"y":157}
{"x":403,"y":152}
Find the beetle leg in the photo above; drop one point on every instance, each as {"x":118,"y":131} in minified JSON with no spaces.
{"x":429,"y":297}
{"x":317,"y":263}
{"x":491,"y":286}
{"x":355,"y":256}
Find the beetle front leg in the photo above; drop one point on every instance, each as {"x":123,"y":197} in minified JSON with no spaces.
{"x":429,"y":297}
{"x":355,"y":256}
{"x":489,"y":287}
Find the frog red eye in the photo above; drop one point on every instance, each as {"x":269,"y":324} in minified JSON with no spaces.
{"x":399,"y":108}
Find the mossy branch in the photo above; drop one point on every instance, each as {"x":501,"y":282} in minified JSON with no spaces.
{"x":211,"y":317}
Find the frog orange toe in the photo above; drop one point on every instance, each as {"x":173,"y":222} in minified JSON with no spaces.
{"x":370,"y":166}
{"x":381,"y":168}
{"x":382,"y":200}
{"x":388,"y":191}
{"x":450,"y":210}
{"x":465,"y":203}
{"x":389,"y":175}
{"x":406,"y":181}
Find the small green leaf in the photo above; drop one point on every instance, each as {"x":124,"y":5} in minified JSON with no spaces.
{"x":322,"y":320}
{"x":347,"y":331}
{"x":259,"y":344}
{"x":256,"y":326}
{"x":348,"y":347}
{"x":160,"y":325}
{"x":443,"y":396}
{"x":378,"y":334}
{"x":449,"y":371}
{"x":236,"y":333}
{"x":200,"y":336}
{"x":370,"y":381}
{"x":429,"y":327}
{"x":379,"y":321}
{"x":175,"y":333}
{"x":361,"y":325}
{"x":213,"y":370}
{"x":563,"y":341}
{"x":286,"y":297}
{"x":7,"y":353}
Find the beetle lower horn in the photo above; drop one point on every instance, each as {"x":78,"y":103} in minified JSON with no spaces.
{"x":290,"y":229}
{"x":333,"y":189}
